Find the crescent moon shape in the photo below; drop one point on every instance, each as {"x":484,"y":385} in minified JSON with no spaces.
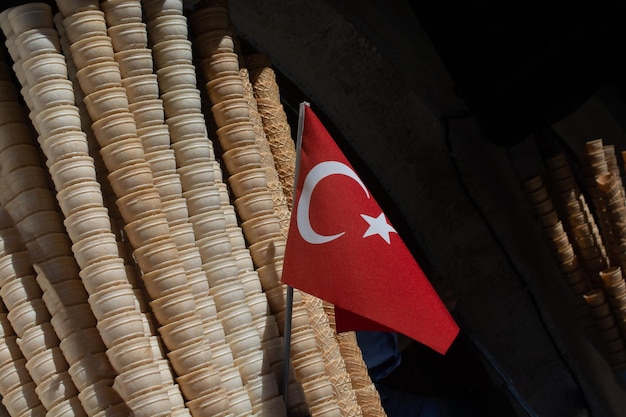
{"x":315,"y":175}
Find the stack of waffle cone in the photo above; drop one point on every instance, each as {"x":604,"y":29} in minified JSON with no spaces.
{"x":610,"y":192}
{"x":149,"y":386}
{"x":277,"y":130}
{"x":115,"y":301}
{"x":57,"y":271}
{"x":149,"y":113}
{"x":108,"y":196}
{"x":231,"y":100}
{"x":365,"y":391}
{"x":555,"y":233}
{"x":578,"y":242}
{"x":30,"y":319}
{"x":274,"y":185}
{"x":596,"y":165}
{"x":17,"y":387}
{"x":578,"y":221}
{"x":610,"y":332}
{"x":610,"y":157}
{"x":241,"y":157}
{"x":615,"y":289}
{"x":325,"y":335}
{"x":333,"y":360}
{"x":223,"y":257}
{"x":141,"y":261}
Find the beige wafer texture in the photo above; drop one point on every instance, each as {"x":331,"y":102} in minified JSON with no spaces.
{"x":51,"y":237}
{"x":324,"y":334}
{"x":596,"y":165}
{"x":278,"y":135}
{"x":579,"y":223}
{"x":333,"y":360}
{"x":610,"y":192}
{"x":590,"y":257}
{"x":275,"y":125}
{"x":267,"y":232}
{"x":103,"y":52}
{"x":202,"y":188}
{"x":274,"y":186}
{"x":556,"y":235}
{"x":17,"y":384}
{"x":267,"y":89}
{"x":356,"y":367}
{"x":366,"y":393}
{"x":608,"y":327}
{"x":615,"y":289}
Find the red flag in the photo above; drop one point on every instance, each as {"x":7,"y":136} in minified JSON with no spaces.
{"x":341,"y":248}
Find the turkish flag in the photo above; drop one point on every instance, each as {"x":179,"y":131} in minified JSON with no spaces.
{"x":341,"y":248}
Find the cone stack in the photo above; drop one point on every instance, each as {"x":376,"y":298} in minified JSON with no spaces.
{"x":556,"y":235}
{"x":596,"y":165}
{"x":247,"y":176}
{"x":211,"y":214}
{"x":609,"y":330}
{"x":365,"y":391}
{"x":134,"y":280}
{"x":55,"y":274}
{"x":591,"y":258}
{"x":578,"y":221}
{"x":277,"y":130}
{"x":138,"y":200}
{"x":324,"y":334}
{"x":17,"y":386}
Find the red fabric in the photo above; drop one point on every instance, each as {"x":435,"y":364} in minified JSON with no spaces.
{"x":334,"y":254}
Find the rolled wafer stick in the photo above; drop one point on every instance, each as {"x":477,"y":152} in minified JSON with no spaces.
{"x":274,"y":186}
{"x":366,"y":393}
{"x":275,"y":125}
{"x":333,"y":361}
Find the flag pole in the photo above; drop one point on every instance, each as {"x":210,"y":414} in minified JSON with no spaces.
{"x":289,"y":296}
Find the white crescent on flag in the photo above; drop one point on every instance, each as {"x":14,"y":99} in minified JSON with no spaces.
{"x":366,"y":271}
{"x":315,"y":175}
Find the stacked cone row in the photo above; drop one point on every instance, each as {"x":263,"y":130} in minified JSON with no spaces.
{"x":275,"y":125}
{"x":215,"y":49}
{"x":607,"y":300}
{"x":17,"y":386}
{"x":589,"y":242}
{"x":272,"y":121}
{"x":116,"y":128}
{"x":555,"y":233}
{"x":578,"y":219}
{"x":601,"y":165}
{"x":121,"y":331}
{"x":132,"y":284}
{"x":610,"y":332}
{"x":246,"y":176}
{"x":233,"y":283}
{"x":111,"y":297}
{"x":37,"y":58}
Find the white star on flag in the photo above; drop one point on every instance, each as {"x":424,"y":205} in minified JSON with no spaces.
{"x":378,"y":226}
{"x":372,"y":285}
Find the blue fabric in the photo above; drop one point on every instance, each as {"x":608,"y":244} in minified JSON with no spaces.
{"x":380,"y":352}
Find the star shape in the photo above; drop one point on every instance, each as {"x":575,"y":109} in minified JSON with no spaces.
{"x":378,"y":226}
